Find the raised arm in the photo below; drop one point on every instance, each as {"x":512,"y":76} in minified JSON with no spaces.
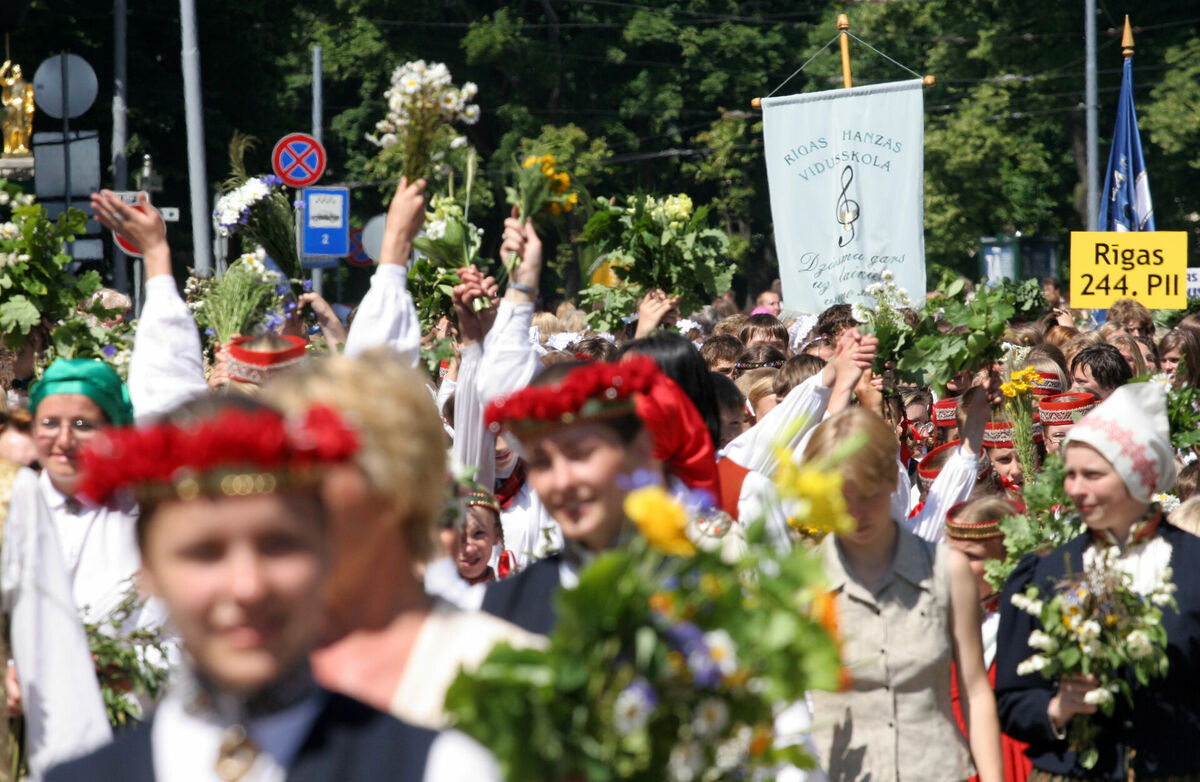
{"x":167,"y":365}
{"x":386,"y":315}
{"x":511,"y":361}
{"x":957,"y":477}
{"x":804,"y":407}
{"x":474,"y":445}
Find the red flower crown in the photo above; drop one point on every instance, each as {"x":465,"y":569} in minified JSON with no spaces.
{"x":562,"y":403}
{"x":180,"y":461}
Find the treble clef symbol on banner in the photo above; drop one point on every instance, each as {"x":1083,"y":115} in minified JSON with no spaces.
{"x":847,"y":208}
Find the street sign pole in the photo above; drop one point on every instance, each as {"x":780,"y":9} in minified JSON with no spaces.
{"x":318,"y":275}
{"x":119,"y":162}
{"x":66,"y":118}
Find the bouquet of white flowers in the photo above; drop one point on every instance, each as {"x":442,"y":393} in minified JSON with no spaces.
{"x":1096,"y":624}
{"x":417,"y":132}
{"x":258,"y":209}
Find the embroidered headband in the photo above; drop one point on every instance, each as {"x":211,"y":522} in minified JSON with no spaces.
{"x":255,"y":366}
{"x":976,"y":530}
{"x":234,"y":453}
{"x":945,"y":412}
{"x":1061,"y":409}
{"x":1046,"y":384}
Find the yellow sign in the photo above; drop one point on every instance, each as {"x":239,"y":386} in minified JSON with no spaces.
{"x":1149,"y":266}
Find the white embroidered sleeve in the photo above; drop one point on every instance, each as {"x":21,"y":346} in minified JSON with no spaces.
{"x":798,"y":412}
{"x":167,"y":366}
{"x":386,"y":317}
{"x":474,"y":445}
{"x":511,"y":360}
{"x":952,"y":486}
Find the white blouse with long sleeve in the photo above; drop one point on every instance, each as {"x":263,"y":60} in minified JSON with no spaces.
{"x":387,"y":317}
{"x":796,"y":415}
{"x":64,"y":713}
{"x":167,"y":365}
{"x":952,"y":486}
{"x":511,"y":360}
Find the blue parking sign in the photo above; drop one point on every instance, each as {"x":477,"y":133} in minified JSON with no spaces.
{"x":326,"y":221}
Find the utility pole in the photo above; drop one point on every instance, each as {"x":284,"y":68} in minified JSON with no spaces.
{"x":120,"y":165}
{"x":194,"y":112}
{"x":1092,"y":111}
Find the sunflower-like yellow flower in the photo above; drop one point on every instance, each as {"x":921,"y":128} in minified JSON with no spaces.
{"x":1008,"y":389}
{"x":531,"y":161}
{"x":1027,"y":375}
{"x":661,"y":519}
{"x":813,"y":498}
{"x":555,"y":208}
{"x":711,"y":585}
{"x":560,"y":182}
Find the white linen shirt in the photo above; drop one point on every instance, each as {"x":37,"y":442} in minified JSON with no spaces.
{"x":64,"y":713}
{"x":185,"y":746}
{"x":386,"y":317}
{"x":99,"y":549}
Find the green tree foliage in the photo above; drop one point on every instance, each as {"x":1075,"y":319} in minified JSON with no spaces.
{"x":664,"y":88}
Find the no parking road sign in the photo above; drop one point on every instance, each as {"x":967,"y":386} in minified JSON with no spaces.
{"x":298,"y":159}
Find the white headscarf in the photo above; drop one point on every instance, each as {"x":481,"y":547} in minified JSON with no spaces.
{"x":1130,"y":430}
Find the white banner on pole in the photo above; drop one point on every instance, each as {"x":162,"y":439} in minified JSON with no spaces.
{"x":845,"y":169}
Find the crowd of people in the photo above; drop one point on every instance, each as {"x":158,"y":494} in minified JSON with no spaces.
{"x":322,"y":542}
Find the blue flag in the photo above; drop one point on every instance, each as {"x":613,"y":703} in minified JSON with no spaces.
{"x":1125,"y":201}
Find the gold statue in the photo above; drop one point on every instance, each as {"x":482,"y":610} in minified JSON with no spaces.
{"x":16,"y":96}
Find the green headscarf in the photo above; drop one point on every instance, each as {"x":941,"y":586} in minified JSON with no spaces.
{"x":94,"y":379}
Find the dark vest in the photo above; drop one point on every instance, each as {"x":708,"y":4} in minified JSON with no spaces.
{"x":348,"y":741}
{"x":527,"y":599}
{"x":1164,"y":721}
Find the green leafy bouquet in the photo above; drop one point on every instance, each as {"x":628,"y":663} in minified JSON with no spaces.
{"x":957,"y":333}
{"x":128,"y":661}
{"x":1046,"y":524}
{"x":82,"y":335}
{"x":35,"y":287}
{"x":1096,"y":624}
{"x":246,"y":298}
{"x":666,"y":663}
{"x":655,"y":243}
{"x":884,"y":318}
{"x":1183,"y":407}
{"x":447,"y":243}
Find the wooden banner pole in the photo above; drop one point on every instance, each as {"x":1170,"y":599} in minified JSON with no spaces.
{"x":843,"y":25}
